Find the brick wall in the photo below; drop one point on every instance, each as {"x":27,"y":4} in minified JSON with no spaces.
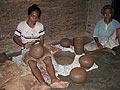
{"x":61,"y":18}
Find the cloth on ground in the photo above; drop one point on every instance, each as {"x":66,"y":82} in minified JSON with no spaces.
{"x":65,"y":69}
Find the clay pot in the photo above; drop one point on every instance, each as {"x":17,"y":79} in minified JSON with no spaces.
{"x":36,"y":51}
{"x":78,"y":43}
{"x":77,"y":40}
{"x":64,"y":57}
{"x":86,"y":61}
{"x":78,"y":75}
{"x":65,"y":42}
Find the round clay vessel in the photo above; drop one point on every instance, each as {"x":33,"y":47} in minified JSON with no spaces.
{"x":86,"y":61}
{"x":65,"y":42}
{"x":78,"y":43}
{"x":36,"y":51}
{"x":64,"y":57}
{"x":78,"y":75}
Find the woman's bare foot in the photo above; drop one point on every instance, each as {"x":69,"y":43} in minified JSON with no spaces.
{"x":109,"y":50}
{"x":112,"y":52}
{"x":41,"y":87}
{"x":59,"y":84}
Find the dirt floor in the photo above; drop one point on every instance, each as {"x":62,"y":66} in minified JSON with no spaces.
{"x":106,"y":77}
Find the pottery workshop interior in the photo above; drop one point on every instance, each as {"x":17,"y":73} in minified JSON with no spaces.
{"x":68,"y":25}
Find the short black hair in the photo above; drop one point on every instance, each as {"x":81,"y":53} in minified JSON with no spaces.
{"x":107,"y":7}
{"x":34,"y":7}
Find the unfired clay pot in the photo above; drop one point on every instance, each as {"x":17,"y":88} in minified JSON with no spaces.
{"x":78,"y":75}
{"x":78,"y":43}
{"x":36,"y":51}
{"x":86,"y":61}
{"x":65,"y":42}
{"x":64,"y":57}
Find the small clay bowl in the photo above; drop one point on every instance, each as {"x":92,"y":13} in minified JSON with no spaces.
{"x":65,"y":42}
{"x":64,"y":57}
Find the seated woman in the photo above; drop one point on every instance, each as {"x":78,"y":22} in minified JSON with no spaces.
{"x":39,"y":59}
{"x":105,"y":32}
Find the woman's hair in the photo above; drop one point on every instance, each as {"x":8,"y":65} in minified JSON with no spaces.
{"x":107,"y":7}
{"x":34,"y":7}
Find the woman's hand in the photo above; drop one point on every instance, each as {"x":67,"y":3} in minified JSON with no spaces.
{"x":99,"y":45}
{"x":55,"y":49}
{"x":28,"y":44}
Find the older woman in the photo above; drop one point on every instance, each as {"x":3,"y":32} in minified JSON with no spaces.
{"x":105,"y":32}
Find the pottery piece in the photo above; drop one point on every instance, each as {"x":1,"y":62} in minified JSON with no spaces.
{"x":65,"y":42}
{"x":64,"y":57}
{"x":78,"y":75}
{"x":78,"y":43}
{"x":86,"y":61}
{"x":36,"y":51}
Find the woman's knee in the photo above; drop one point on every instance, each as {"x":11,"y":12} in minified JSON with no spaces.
{"x":47,"y":60}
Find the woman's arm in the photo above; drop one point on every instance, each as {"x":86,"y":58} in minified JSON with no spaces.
{"x":41,"y":41}
{"x":18,"y":41}
{"x":118,"y":35}
{"x":99,"y":45}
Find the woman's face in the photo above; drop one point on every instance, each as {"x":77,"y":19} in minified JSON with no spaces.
{"x":33,"y":17}
{"x":108,"y":14}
